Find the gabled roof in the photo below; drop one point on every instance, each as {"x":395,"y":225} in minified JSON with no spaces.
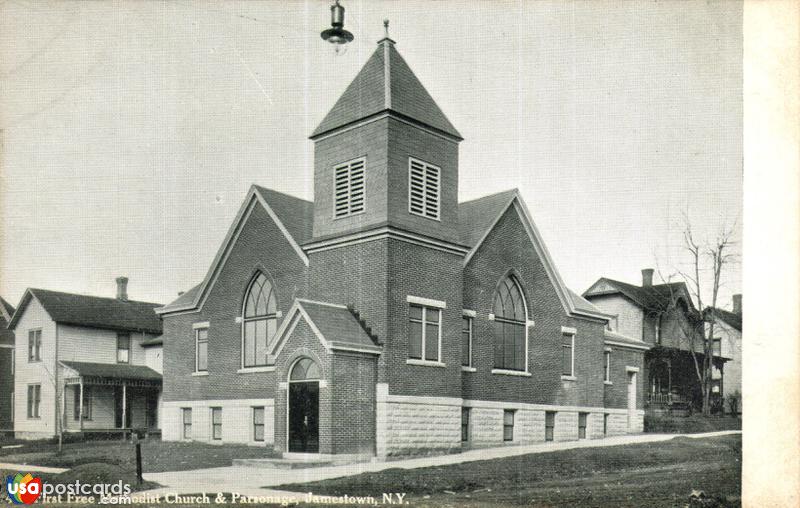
{"x":386,"y":83}
{"x":93,"y":311}
{"x":293,"y":216}
{"x":657,"y":297}
{"x":730,"y":318}
{"x":114,"y":371}
{"x":478,"y":217}
{"x":334,"y":325}
{"x":6,"y":309}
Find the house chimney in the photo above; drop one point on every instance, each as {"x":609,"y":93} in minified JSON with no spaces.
{"x":737,"y":304}
{"x":122,"y":288}
{"x":647,"y":277}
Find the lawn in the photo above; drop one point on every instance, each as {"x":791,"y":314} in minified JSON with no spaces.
{"x":157,"y":456}
{"x":651,"y":474}
{"x":690,"y":424}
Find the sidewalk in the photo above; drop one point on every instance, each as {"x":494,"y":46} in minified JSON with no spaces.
{"x":31,"y":469}
{"x":250,"y":480}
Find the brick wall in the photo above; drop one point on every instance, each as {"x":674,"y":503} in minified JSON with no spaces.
{"x":407,"y":141}
{"x":353,"y":403}
{"x":423,"y":272}
{"x":616,"y":393}
{"x":369,"y":141}
{"x":260,"y":245}
{"x":508,"y":247}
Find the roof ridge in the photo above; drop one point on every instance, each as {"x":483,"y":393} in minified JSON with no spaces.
{"x":84,"y":295}
{"x":514,"y":190}
{"x":261,"y":187}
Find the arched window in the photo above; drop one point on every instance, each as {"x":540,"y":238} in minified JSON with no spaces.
{"x":259,"y":321}
{"x":510,"y":326}
{"x":305,"y":370}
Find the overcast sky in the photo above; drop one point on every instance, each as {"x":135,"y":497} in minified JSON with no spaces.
{"x":131,"y":131}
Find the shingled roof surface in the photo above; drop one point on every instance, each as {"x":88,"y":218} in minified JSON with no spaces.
{"x":337,"y":324}
{"x":295,"y":213}
{"x":731,"y":318}
{"x":114,"y":371}
{"x":9,"y":309}
{"x":97,"y":312}
{"x":657,"y":296}
{"x":367,"y":95}
{"x":476,"y":216}
{"x":6,"y":335}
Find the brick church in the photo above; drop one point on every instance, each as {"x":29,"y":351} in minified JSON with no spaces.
{"x":385,"y":317}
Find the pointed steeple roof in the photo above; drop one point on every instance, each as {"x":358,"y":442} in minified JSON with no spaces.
{"x":386,"y":83}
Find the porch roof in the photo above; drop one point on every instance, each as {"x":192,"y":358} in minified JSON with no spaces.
{"x":114,"y":371}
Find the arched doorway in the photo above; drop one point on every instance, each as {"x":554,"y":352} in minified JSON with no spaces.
{"x":303,"y":403}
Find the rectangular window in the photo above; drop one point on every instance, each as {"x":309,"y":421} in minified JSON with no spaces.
{"x":348,"y":183}
{"x":187,"y":422}
{"x":464,"y":424}
{"x":216,"y":423}
{"x":123,"y":348}
{"x":605,"y":424}
{"x":424,"y":189}
{"x":716,"y":347}
{"x":567,"y":353}
{"x":508,"y":425}
{"x":201,"y":349}
{"x":258,"y":424}
{"x":549,"y":425}
{"x":34,"y":400}
{"x":424,"y":329}
{"x":607,"y":366}
{"x":582,"y":417}
{"x":87,"y":403}
{"x":34,"y":346}
{"x":466,"y":341}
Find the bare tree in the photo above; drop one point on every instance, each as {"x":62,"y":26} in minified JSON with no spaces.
{"x":708,"y":260}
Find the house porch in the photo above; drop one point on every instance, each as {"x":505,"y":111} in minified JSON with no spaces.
{"x":110,"y":398}
{"x":672,"y":381}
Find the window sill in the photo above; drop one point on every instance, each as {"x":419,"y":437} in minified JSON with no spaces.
{"x":200,"y":374}
{"x":505,"y":372}
{"x":424,"y":363}
{"x":464,"y":368}
{"x":253,"y":370}
{"x":568,"y":378}
{"x":609,"y":383}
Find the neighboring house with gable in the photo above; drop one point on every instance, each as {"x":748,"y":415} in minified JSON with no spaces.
{"x":88,"y":363}
{"x":385,"y":317}
{"x":728,"y":331}
{"x":663,"y":316}
{"x":6,"y":367}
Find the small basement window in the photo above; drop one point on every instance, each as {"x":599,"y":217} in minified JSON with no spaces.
{"x":549,"y":425}
{"x":508,"y":425}
{"x":582,"y":417}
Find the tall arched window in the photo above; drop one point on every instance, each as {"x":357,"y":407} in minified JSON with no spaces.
{"x":259,"y":321}
{"x":510,"y":326}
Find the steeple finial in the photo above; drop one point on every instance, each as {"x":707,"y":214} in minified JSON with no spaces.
{"x":386,"y":37}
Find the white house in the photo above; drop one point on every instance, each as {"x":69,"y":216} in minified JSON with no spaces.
{"x":85,"y":363}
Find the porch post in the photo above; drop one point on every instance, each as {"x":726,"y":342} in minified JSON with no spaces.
{"x":669,"y":377}
{"x":124,"y":406}
{"x":80,"y":403}
{"x":64,"y":408}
